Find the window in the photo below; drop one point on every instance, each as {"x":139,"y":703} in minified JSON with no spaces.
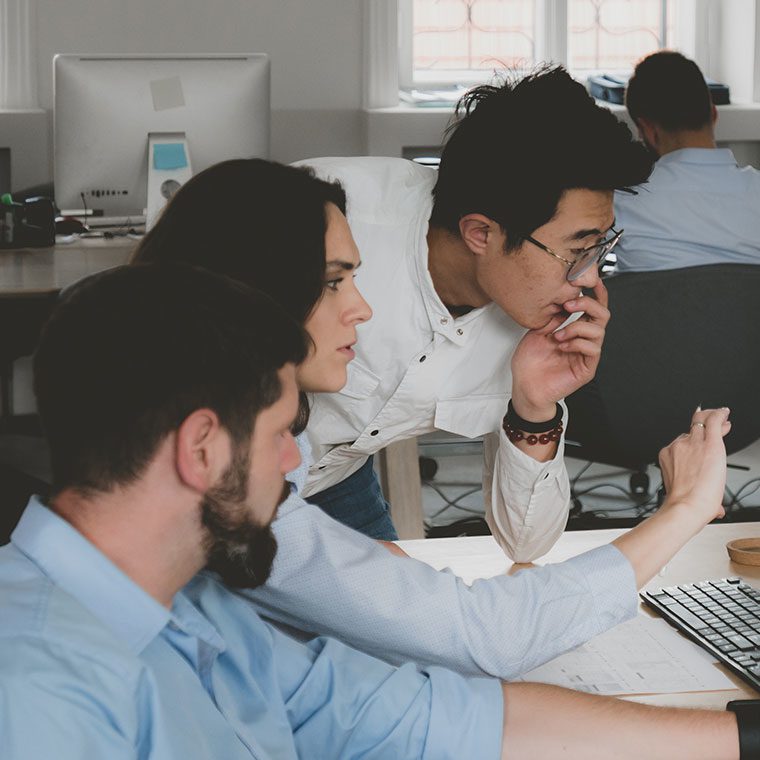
{"x":444,"y":42}
{"x":17,"y":81}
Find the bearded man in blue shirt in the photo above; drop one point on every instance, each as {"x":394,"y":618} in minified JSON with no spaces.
{"x":168,"y":411}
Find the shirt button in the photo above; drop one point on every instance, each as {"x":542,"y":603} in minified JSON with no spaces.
{"x":460,"y":331}
{"x":422,"y":358}
{"x":444,"y":320}
{"x":374,"y":432}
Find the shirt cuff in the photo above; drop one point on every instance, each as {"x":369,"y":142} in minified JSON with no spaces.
{"x":612,"y":583}
{"x":466,"y":716}
{"x":527,"y":472}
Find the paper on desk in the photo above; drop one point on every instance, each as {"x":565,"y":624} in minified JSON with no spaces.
{"x":642,"y":656}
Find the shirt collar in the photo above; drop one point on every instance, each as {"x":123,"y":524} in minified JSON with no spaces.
{"x":77,"y":567}
{"x":699,"y":156}
{"x":441,"y":320}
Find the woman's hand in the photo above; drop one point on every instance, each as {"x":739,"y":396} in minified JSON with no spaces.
{"x":694,"y":465}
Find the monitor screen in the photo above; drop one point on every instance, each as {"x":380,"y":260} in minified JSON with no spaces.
{"x":106,"y":106}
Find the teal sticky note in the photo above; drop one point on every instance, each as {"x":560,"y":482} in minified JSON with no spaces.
{"x":169,"y":156}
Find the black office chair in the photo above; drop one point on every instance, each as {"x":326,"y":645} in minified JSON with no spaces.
{"x":677,"y":338}
{"x":24,"y":467}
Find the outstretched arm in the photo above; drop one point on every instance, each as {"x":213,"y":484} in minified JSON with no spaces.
{"x":694,"y":473}
{"x":331,"y":580}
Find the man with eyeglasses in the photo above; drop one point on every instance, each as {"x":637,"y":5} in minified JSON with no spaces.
{"x":470,"y":270}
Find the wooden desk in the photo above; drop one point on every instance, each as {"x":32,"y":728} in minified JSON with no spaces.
{"x":34,"y":271}
{"x":704,"y":557}
{"x":399,"y":468}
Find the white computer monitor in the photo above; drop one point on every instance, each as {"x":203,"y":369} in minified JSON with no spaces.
{"x":107,"y":106}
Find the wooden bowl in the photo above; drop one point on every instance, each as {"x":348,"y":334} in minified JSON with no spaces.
{"x":745,"y":551}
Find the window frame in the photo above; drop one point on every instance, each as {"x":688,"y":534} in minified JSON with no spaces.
{"x":18,"y":80}
{"x":551,"y":42}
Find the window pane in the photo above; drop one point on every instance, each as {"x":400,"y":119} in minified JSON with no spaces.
{"x":460,"y":35}
{"x":457,"y":40}
{"x":612,"y":35}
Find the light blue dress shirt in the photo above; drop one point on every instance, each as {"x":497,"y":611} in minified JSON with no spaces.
{"x":332,"y":580}
{"x":93,"y":667}
{"x":697,"y":208}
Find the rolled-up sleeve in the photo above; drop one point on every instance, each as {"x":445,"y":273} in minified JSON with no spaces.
{"x":527,"y":501}
{"x":358,"y":706}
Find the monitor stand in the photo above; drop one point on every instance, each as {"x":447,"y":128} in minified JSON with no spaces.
{"x":168,"y":169}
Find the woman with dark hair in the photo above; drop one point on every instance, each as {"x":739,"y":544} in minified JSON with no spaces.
{"x":283,"y":231}
{"x":256,"y":221}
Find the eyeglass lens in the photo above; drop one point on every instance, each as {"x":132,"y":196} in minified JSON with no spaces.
{"x":591,"y":257}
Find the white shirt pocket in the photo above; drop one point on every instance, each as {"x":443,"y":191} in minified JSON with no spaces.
{"x":471,"y":416}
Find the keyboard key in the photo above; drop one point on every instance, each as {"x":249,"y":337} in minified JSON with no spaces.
{"x":689,"y":618}
{"x":664,"y":599}
{"x":740,"y":642}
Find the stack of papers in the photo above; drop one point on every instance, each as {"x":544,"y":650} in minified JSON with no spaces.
{"x":642,"y":656}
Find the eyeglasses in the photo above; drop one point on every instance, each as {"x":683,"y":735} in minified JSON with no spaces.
{"x":584,"y":259}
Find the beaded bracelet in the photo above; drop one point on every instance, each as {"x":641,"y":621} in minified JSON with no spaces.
{"x":518,"y":429}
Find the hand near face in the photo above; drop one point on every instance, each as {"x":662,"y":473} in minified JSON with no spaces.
{"x":548,"y":366}
{"x":694,"y":465}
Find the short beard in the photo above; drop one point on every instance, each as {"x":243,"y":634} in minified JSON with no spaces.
{"x":238,"y":550}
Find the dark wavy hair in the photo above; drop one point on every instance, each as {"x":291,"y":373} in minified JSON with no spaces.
{"x":517,"y":146}
{"x":257,"y":221}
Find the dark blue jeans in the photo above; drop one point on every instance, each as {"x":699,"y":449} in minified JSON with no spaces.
{"x":359,"y":503}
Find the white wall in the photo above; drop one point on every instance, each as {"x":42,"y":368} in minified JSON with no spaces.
{"x":736,"y":64}
{"x":315,"y":47}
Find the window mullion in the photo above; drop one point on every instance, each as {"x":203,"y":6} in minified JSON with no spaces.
{"x":551,"y":34}
{"x":18,"y":87}
{"x":381,"y":59}
{"x":405,"y":44}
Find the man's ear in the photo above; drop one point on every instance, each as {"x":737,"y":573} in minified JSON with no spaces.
{"x":649,"y":132}
{"x":475,"y":230}
{"x":202,"y":450}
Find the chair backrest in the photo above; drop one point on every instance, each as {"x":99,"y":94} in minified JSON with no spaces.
{"x":679,"y":338}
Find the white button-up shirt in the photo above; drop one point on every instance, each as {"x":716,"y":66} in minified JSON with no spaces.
{"x":419,"y":369}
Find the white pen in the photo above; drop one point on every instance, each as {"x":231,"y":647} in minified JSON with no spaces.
{"x":574,"y":317}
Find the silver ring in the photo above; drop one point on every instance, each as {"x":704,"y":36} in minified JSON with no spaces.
{"x":698,"y":424}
